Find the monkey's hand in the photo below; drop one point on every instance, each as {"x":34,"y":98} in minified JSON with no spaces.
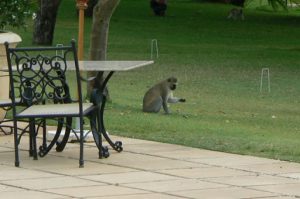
{"x":182,"y":100}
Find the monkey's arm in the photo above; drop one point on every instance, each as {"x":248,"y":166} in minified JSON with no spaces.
{"x":173,"y":99}
{"x":165,"y":106}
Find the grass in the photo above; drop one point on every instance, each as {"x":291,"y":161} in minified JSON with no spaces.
{"x":218,"y":63}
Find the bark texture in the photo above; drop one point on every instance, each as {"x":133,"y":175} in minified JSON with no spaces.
{"x":44,"y":23}
{"x":102,"y":13}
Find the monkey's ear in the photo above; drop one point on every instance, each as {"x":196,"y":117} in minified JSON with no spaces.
{"x":172,"y":79}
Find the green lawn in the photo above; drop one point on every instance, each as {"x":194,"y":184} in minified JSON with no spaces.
{"x":218,"y":63}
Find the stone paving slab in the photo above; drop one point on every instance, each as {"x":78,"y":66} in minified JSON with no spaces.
{"x":29,"y":194}
{"x":175,"y":185}
{"x":142,"y":196}
{"x":14,"y":173}
{"x":90,"y":168}
{"x":234,"y":161}
{"x":130,"y":177}
{"x":291,"y":175}
{"x":280,"y":197}
{"x":206,"y":172}
{"x":94,"y":191}
{"x":254,"y":180}
{"x":147,"y":170}
{"x":4,"y":149}
{"x":226,"y":193}
{"x":285,"y":189}
{"x":50,"y":182}
{"x":272,"y":168}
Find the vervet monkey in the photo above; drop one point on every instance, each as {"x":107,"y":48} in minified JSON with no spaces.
{"x":159,"y":7}
{"x":236,"y":13}
{"x":159,"y":95}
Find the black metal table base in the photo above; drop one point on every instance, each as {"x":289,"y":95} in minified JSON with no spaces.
{"x":97,"y":128}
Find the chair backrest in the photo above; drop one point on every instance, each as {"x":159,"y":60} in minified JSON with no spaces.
{"x":41,"y":73}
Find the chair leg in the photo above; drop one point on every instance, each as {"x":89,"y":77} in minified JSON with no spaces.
{"x":44,"y":144}
{"x":30,"y":141}
{"x":16,"y":140}
{"x":81,"y":140}
{"x":32,"y":137}
{"x":61,"y":145}
{"x":44,"y":150}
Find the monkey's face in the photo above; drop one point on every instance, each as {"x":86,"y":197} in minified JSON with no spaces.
{"x":172,"y":83}
{"x":173,"y":86}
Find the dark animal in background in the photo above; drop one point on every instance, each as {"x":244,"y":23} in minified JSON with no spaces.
{"x":159,"y":95}
{"x":239,"y":3}
{"x":236,"y":13}
{"x":159,"y":7}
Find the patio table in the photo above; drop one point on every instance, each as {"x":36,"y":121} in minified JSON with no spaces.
{"x":111,"y":67}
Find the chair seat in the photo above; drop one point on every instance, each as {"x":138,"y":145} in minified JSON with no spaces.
{"x":7,"y":102}
{"x":55,"y":110}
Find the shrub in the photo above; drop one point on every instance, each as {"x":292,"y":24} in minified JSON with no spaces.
{"x":14,"y":12}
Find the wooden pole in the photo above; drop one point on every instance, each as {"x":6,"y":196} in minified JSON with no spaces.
{"x":81,"y":5}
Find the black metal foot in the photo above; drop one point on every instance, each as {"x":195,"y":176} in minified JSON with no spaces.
{"x":42,"y":151}
{"x":104,"y":153}
{"x":81,"y":164}
{"x":35,"y":155}
{"x":17,"y":164}
{"x":118,"y":146}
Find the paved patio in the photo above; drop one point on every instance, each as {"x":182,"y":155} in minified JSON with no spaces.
{"x":147,"y":170}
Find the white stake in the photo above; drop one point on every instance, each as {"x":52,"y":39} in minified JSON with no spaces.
{"x":265,"y":73}
{"x":154,"y":46}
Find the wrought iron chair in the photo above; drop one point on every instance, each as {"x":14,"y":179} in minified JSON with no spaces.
{"x":6,"y":105}
{"x":5,"y":127}
{"x":44,"y":89}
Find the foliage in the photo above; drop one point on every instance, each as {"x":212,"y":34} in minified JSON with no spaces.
{"x":275,"y":4}
{"x":14,"y":12}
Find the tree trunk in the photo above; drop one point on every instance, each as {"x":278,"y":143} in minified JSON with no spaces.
{"x":44,"y":24}
{"x":103,"y":11}
{"x":89,"y":11}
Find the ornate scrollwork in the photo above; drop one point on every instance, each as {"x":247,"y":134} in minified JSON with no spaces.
{"x":41,"y":77}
